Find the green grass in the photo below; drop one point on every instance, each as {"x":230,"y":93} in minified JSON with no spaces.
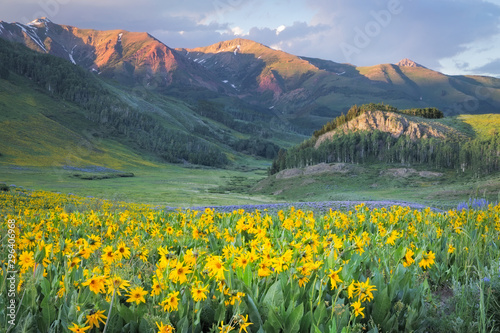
{"x":483,"y":125}
{"x":374,"y":182}
{"x":170,"y":185}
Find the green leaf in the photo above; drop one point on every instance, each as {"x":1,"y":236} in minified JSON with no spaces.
{"x":253,"y":313}
{"x":316,"y":329}
{"x":126,"y":313}
{"x":306,"y":322}
{"x":381,"y":306}
{"x":292,"y":323}
{"x":48,"y":312}
{"x":45,"y":284}
{"x":274,"y":295}
{"x":274,"y":319}
{"x":320,"y":313}
{"x":144,"y":326}
{"x":247,"y":276}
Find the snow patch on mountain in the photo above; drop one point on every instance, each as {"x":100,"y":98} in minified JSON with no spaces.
{"x":32,"y":34}
{"x":71,"y":55}
{"x":237,"y":49}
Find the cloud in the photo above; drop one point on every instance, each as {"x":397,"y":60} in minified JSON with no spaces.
{"x":386,"y":31}
{"x":356,"y":31}
{"x":492,"y":68}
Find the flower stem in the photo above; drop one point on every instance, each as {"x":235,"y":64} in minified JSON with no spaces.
{"x":109,"y":312}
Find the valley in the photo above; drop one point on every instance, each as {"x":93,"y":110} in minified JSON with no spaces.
{"x":205,"y":125}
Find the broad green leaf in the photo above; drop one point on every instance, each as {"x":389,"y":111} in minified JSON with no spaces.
{"x":381,"y":306}
{"x":274,"y":295}
{"x":253,"y":313}
{"x":292,"y":323}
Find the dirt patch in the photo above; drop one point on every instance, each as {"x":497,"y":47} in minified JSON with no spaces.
{"x":398,"y":172}
{"x":315,"y":170}
{"x":289,"y":173}
{"x":430,"y":174}
{"x":407,"y":172}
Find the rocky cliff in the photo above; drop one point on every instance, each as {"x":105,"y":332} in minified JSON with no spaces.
{"x":394,"y":123}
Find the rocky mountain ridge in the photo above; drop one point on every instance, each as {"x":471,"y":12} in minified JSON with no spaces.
{"x":303,"y":92}
{"x":127,"y":57}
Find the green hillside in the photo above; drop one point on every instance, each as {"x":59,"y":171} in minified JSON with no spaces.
{"x":57,"y":104}
{"x":38,"y":130}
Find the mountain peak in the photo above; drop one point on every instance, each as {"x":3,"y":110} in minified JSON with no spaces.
{"x":42,"y":21}
{"x":408,"y":63}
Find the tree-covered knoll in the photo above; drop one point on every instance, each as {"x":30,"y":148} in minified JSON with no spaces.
{"x":479,"y":156}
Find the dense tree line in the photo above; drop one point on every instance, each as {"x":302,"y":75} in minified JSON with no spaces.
{"x":243,"y":122}
{"x":430,"y":113}
{"x":72,"y":83}
{"x":479,"y":156}
{"x":257,"y":147}
{"x":355,"y":111}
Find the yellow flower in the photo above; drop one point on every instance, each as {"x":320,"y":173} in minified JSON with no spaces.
{"x":362,"y":290}
{"x":137,"y":295}
{"x":26,"y":259}
{"x":392,"y":237}
{"x":171,"y":302}
{"x":94,"y":242}
{"x":366,"y":290}
{"x":74,"y":263}
{"x":156,"y":288}
{"x":408,"y":259}
{"x":351,"y":289}
{"x":303,"y":280}
{"x":77,"y":329}
{"x":215,"y":267}
{"x":108,"y":255}
{"x":164,"y":328}
{"x":451,"y":248}
{"x":96,"y":284}
{"x":358,"y":310}
{"x":123,"y":251}
{"x":242,"y":261}
{"x":179,"y":273}
{"x":243,"y":322}
{"x":225,"y":328}
{"x":427,"y":259}
{"x":117,"y":283}
{"x":94,"y":318}
{"x":199,"y":293}
{"x":264,"y":269}
{"x":334,"y":277}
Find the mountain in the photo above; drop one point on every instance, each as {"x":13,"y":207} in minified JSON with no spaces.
{"x":54,"y":104}
{"x":310,"y":91}
{"x":302,"y":92}
{"x":133,"y":58}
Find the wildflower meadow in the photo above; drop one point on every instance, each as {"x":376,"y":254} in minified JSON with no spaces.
{"x":73,"y":264}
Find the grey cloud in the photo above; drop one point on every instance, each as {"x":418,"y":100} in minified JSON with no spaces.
{"x":492,"y":68}
{"x":426,"y":30}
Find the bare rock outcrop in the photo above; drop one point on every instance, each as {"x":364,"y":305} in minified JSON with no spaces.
{"x":390,"y":122}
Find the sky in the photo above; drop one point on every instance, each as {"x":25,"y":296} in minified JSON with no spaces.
{"x":451,"y":36}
